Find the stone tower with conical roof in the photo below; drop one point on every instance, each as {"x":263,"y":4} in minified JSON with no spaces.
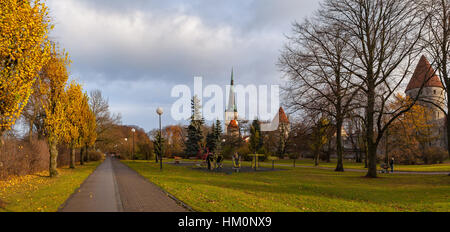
{"x":231,"y":113}
{"x":432,"y":93}
{"x":432,"y":96}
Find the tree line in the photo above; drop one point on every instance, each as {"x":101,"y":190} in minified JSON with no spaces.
{"x":347,"y":64}
{"x":35,"y":86}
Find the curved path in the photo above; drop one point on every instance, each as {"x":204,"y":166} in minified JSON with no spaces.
{"x":114,"y":187}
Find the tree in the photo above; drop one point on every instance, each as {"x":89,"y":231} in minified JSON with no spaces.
{"x":24,"y":49}
{"x":89,"y":129}
{"x":319,"y":137}
{"x":211,"y":139}
{"x":52,"y":81}
{"x":74,"y":119}
{"x":410,"y":134}
{"x":158,"y":146}
{"x":194,"y":130}
{"x":383,"y":37}
{"x":437,"y":44}
{"x":313,"y":61}
{"x":256,"y":138}
{"x":105,"y":121}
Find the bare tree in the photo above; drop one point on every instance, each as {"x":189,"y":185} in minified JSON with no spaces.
{"x":313,"y":62}
{"x":437,"y":45}
{"x":105,"y":120}
{"x":384,"y":36}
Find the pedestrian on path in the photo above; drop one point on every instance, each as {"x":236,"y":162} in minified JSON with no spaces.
{"x":391,"y":163}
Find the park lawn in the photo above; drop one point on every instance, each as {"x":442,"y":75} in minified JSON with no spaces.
{"x":300,"y":189}
{"x":40,"y":193}
{"x":445,"y":167}
{"x":350,"y":164}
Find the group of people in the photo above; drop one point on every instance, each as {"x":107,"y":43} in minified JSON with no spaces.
{"x":391,"y":164}
{"x":217,"y":160}
{"x":213,"y":159}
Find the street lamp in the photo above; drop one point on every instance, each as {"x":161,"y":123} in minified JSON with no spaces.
{"x":127,"y":146}
{"x":160,"y":111}
{"x":133,"y":131}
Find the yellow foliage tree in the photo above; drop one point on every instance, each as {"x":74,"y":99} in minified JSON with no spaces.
{"x":24,"y":50}
{"x":410,"y":133}
{"x":74,"y":118}
{"x":89,"y":130}
{"x":52,"y":82}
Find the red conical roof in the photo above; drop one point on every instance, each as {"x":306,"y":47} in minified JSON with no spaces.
{"x":282,"y":116}
{"x":424,"y":72}
{"x":233,"y":124}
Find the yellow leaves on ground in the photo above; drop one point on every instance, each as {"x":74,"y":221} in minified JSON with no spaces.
{"x":24,"y":50}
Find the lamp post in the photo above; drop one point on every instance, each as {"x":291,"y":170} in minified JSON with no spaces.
{"x":126,"y":144}
{"x":160,"y":111}
{"x":133,"y":131}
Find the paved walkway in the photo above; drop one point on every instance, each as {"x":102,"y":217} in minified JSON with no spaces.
{"x":114,"y":187}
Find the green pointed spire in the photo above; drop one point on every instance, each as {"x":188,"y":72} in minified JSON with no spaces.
{"x":232,"y":76}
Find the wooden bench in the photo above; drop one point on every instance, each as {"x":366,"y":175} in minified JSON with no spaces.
{"x":177,"y":159}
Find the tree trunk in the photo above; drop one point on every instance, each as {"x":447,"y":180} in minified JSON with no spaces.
{"x":53,"y":159}
{"x":316,"y":158}
{"x":86,"y":157}
{"x":371,"y":145}
{"x":340,"y":163}
{"x":81,"y":156}
{"x":2,"y":142}
{"x":30,"y":132}
{"x":72,"y":157}
{"x":448,"y":121}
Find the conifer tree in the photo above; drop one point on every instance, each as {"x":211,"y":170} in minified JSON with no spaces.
{"x":256,"y":139}
{"x":195,"y":135}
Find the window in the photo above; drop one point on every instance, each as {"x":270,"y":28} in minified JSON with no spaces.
{"x":434,"y":91}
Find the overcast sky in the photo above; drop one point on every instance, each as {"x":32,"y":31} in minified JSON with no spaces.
{"x":136,"y":51}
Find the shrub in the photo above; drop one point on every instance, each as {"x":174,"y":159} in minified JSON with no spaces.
{"x":22,"y":157}
{"x":96,"y":156}
{"x":434,"y":155}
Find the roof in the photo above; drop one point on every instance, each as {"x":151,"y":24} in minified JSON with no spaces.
{"x":233,"y":124}
{"x":424,"y":72}
{"x":282,"y":116}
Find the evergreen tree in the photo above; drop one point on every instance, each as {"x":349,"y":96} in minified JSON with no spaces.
{"x":218,"y":137}
{"x":195,"y":135}
{"x":158,"y":146}
{"x":256,"y":139}
{"x":281,"y":149}
{"x":211,"y":139}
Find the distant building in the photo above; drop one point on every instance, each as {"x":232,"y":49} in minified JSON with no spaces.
{"x":432,"y":96}
{"x":233,"y":128}
{"x":231,"y":113}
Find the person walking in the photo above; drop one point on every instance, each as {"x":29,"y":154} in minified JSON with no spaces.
{"x":391,"y":163}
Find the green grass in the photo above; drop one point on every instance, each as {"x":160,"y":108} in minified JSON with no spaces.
{"x":39,"y":193}
{"x":350,"y":164}
{"x":445,"y":167}
{"x":302,"y":189}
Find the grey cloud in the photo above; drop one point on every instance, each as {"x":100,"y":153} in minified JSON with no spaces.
{"x":135,"y":51}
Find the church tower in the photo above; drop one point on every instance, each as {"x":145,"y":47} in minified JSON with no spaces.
{"x":433,"y":90}
{"x":231,"y":113}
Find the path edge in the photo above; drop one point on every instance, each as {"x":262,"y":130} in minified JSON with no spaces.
{"x":75,"y":191}
{"x":178,"y":201}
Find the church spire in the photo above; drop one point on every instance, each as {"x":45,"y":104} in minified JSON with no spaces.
{"x":232,"y":76}
{"x":232,"y":97}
